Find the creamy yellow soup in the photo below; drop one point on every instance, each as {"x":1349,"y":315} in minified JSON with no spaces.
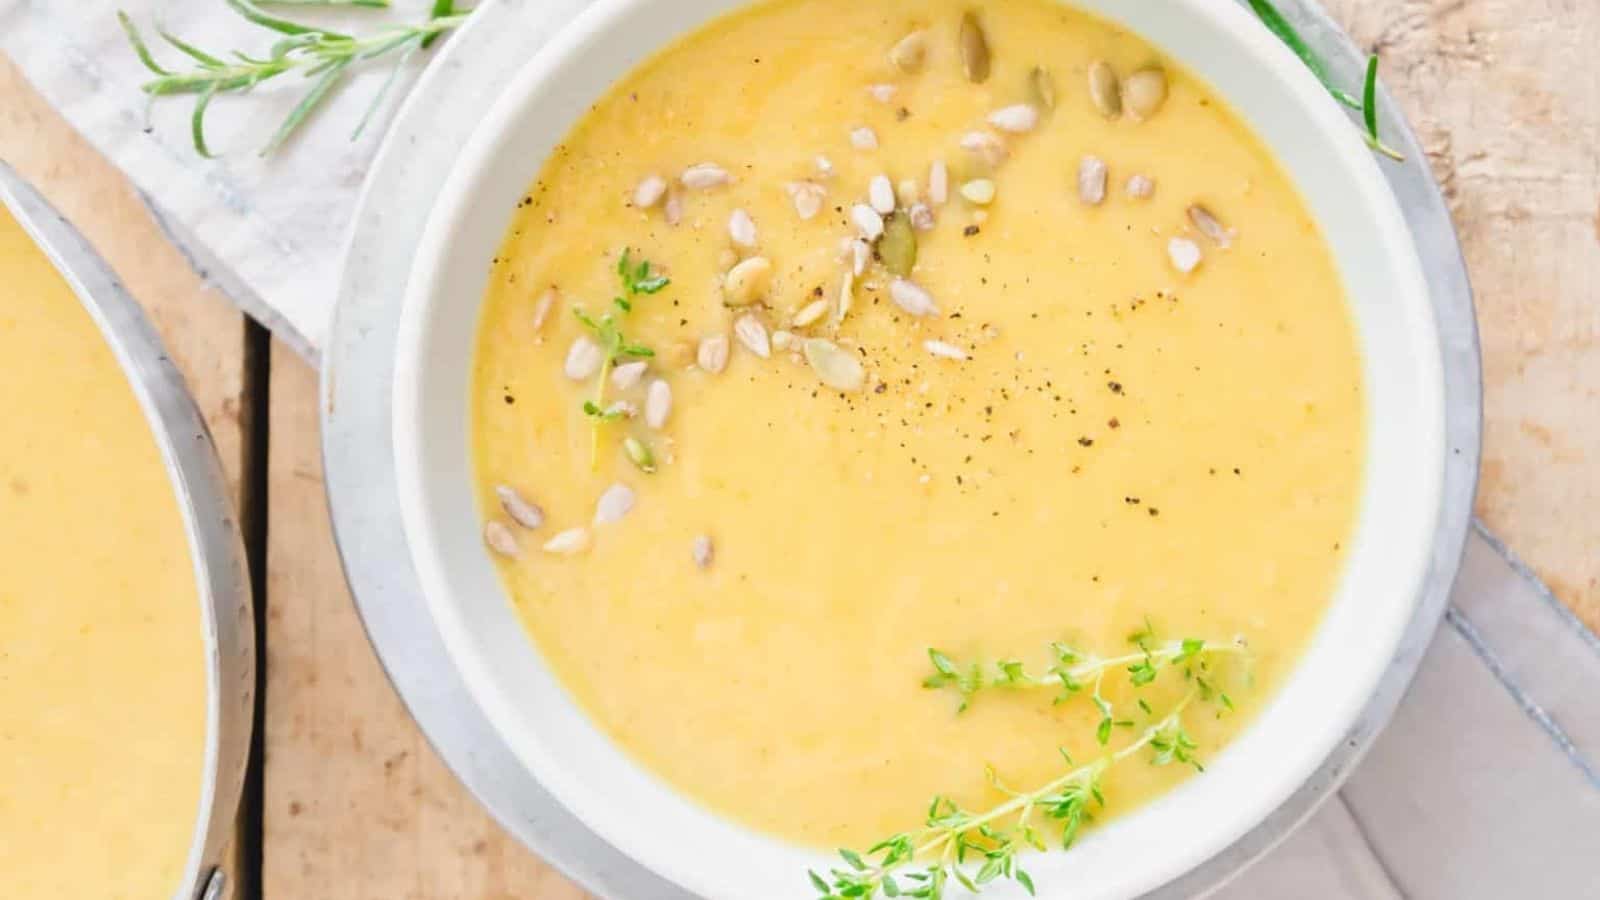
{"x":1058,"y":429}
{"x":102,"y":668}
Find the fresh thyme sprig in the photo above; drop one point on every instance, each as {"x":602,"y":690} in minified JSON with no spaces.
{"x":976,"y":849}
{"x":317,"y":53}
{"x":1075,"y":670}
{"x":638,"y":280}
{"x":1366,"y":104}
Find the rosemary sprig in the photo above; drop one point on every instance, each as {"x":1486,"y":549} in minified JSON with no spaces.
{"x":1074,"y":670}
{"x":637,"y":280}
{"x":975,"y":849}
{"x":321,"y":54}
{"x":1367,"y":104}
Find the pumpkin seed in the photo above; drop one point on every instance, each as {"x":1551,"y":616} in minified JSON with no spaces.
{"x":1042,"y":88}
{"x":1105,"y":89}
{"x":746,"y":280}
{"x":979,"y":191}
{"x":1144,"y":93}
{"x":519,"y":509}
{"x":974,"y":49}
{"x":898,"y":247}
{"x":908,"y":53}
{"x":1210,"y":226}
{"x":500,"y":539}
{"x":836,"y":367}
{"x":639,"y":454}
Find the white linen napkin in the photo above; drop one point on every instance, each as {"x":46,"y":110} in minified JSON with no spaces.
{"x":1487,"y":783}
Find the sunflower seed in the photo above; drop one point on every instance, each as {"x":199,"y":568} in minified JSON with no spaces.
{"x":908,"y":53}
{"x":568,"y":543}
{"x":620,"y":409}
{"x":1092,"y":180}
{"x":921,"y":216}
{"x":1144,"y":93}
{"x":883,"y":93}
{"x":650,"y":191}
{"x":700,"y":550}
{"x":657,"y":403}
{"x":782,"y":340}
{"x":1042,"y":88}
{"x":583,"y":358}
{"x":836,"y":367}
{"x":712,"y":355}
{"x":810,"y":313}
{"x":704,"y":176}
{"x":541,"y":309}
{"x":746,"y":280}
{"x":824,"y":167}
{"x":519,"y":509}
{"x":944,"y":350}
{"x":860,"y":256}
{"x":753,"y":335}
{"x":868,"y":221}
{"x":979,"y":191}
{"x":863,"y":138}
{"x":906,"y":192}
{"x":1210,"y":226}
{"x":1019,"y":118}
{"x":808,"y":197}
{"x":616,"y":502}
{"x":898,"y":249}
{"x":639,"y":454}
{"x":912,"y":298}
{"x":974,"y":46}
{"x":986,"y":147}
{"x":880,"y":193}
{"x":1105,"y":89}
{"x":672,"y":210}
{"x":1140,"y":187}
{"x":742,"y":229}
{"x":1184,"y":253}
{"x":500,"y":539}
{"x":938,"y":183}
{"x":847,"y":296}
{"x":628,"y":374}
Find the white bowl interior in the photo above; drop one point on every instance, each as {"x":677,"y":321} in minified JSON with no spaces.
{"x":646,"y":818}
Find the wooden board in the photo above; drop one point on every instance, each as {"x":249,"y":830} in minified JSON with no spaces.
{"x":204,"y":333}
{"x":357,"y":804}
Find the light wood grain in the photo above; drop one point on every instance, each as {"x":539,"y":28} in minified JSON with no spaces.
{"x":357,"y":804}
{"x":204,"y":333}
{"x":1506,"y":99}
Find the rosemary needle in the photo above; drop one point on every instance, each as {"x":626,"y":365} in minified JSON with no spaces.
{"x":322,"y":54}
{"x":1366,"y":104}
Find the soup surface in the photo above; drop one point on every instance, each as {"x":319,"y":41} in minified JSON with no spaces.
{"x":1094,"y":401}
{"x":102,"y":666}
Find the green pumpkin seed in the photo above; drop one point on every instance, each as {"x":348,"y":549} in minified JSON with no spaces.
{"x":1042,"y":88}
{"x":639,"y":452}
{"x":898,"y":246}
{"x":835,"y":366}
{"x":1145,"y":92}
{"x":974,"y":49}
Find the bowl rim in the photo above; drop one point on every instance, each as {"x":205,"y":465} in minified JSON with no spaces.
{"x":211,"y":531}
{"x":454,"y":204}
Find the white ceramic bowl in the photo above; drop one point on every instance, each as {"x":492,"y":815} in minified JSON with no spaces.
{"x":647,"y":819}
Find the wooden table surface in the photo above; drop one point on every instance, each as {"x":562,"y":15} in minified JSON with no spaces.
{"x":349,"y":801}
